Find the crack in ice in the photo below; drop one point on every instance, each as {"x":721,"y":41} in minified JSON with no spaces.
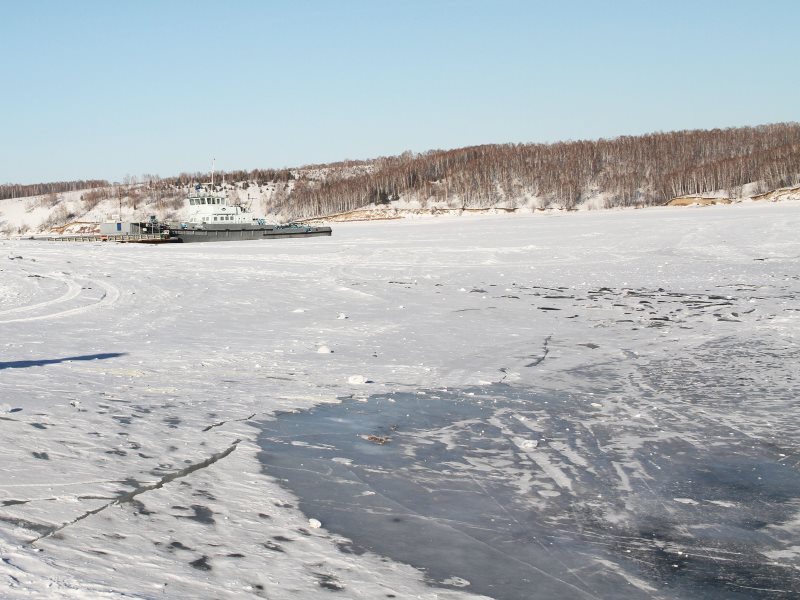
{"x":546,"y":349}
{"x":145,"y":488}
{"x":221,"y":423}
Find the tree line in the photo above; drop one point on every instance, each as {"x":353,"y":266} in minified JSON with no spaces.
{"x":628,"y":171}
{"x":625,"y":171}
{"x":18,"y":190}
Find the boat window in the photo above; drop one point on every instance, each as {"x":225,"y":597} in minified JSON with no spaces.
{"x":215,"y":218}
{"x":191,"y":201}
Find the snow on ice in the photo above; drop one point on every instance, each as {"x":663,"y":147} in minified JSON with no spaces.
{"x":612,"y":396}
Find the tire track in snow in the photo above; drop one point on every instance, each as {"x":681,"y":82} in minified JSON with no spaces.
{"x":73,"y":290}
{"x":110,"y":296}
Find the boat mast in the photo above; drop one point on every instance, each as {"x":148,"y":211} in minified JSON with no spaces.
{"x":213,"y":161}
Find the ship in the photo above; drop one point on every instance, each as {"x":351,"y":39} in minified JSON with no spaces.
{"x":212,"y":217}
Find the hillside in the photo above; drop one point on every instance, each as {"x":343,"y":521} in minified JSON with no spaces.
{"x":647,"y":170}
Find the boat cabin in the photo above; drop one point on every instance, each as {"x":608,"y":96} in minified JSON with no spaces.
{"x":209,"y":208}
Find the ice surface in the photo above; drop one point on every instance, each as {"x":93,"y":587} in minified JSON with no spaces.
{"x":660,"y":346}
{"x":521,"y":493}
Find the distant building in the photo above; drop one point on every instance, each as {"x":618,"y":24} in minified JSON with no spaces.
{"x":126,"y":228}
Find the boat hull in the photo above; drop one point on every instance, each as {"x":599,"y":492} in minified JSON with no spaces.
{"x":244,"y":232}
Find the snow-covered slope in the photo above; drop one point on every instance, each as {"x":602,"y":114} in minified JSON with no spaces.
{"x":657,"y":350}
{"x":78,"y":212}
{"x":71,"y":212}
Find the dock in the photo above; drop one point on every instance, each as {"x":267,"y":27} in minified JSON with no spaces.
{"x":138,"y":238}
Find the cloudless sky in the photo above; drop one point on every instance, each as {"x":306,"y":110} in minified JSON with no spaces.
{"x":101,"y":89}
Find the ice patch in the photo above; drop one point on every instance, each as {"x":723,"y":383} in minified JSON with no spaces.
{"x":455,"y":582}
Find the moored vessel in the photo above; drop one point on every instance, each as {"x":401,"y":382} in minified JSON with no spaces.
{"x":212,"y":217}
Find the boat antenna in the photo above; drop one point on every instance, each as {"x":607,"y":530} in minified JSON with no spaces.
{"x":213,"y":161}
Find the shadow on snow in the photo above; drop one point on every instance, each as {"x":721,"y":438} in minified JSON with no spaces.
{"x":24,"y":364}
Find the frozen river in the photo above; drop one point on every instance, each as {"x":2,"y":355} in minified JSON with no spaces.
{"x":524,"y":494}
{"x":586,"y":405}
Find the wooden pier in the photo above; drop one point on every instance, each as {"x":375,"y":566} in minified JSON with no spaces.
{"x":139,"y":238}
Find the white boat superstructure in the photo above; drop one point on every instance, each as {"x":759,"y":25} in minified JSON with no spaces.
{"x":213,"y":208}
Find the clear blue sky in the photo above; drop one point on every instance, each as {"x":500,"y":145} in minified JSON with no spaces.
{"x":109,"y":88}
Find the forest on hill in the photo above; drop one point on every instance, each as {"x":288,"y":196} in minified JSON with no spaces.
{"x":17,"y":190}
{"x":625,"y":171}
{"x":640,"y":170}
